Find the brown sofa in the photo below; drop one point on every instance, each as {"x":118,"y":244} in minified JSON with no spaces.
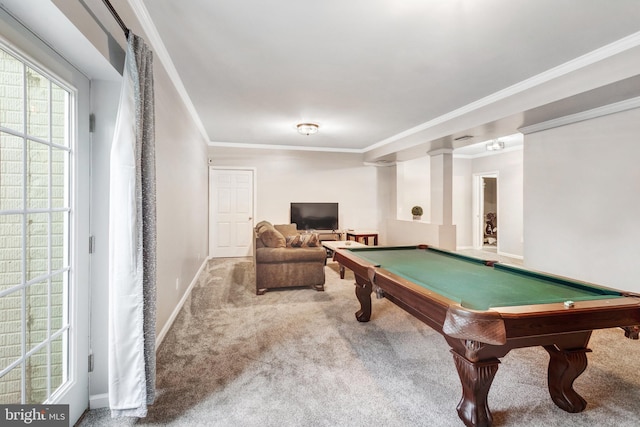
{"x":285,"y":258}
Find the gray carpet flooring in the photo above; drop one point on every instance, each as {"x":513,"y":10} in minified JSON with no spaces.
{"x":299,"y":358}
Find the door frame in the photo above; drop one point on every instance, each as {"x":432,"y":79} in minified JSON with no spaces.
{"x":477,"y":210}
{"x":254,"y":173}
{"x":22,"y":41}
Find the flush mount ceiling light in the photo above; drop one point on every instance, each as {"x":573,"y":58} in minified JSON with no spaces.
{"x":495,"y":145}
{"x":307,"y":128}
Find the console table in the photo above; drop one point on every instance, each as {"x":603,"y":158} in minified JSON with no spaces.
{"x":332,"y":245}
{"x":364,"y":235}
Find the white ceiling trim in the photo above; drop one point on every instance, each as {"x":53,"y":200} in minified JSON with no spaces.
{"x":285,"y":147}
{"x":576,"y":64}
{"x":155,"y":40}
{"x":616,"y":107}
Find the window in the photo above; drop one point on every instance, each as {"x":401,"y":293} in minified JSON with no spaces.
{"x":35,"y":214}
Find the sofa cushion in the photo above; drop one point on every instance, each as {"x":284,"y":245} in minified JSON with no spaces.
{"x":269,"y":236}
{"x":279,"y":255}
{"x":307,"y":240}
{"x":261,"y":223}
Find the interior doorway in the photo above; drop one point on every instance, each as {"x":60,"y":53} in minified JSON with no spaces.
{"x":231,"y":205}
{"x":486,"y":212}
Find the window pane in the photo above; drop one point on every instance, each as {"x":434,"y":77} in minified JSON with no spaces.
{"x":35,"y":215}
{"x":10,"y":326}
{"x":37,"y":314}
{"x":59,"y":178}
{"x":58,"y":362}
{"x":10,"y":251}
{"x":11,"y":92}
{"x":37,"y":175}
{"x":59,"y":252}
{"x":37,"y":105}
{"x":60,"y":115}
{"x":58,"y":302}
{"x":10,"y":387}
{"x":37,"y":245}
{"x":36,"y":377}
{"x":10,"y":172}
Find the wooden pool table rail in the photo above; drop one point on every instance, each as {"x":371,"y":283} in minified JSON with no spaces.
{"x":479,"y":338}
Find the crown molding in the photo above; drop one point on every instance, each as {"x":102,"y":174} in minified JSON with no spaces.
{"x":161,"y":52}
{"x":605,"y":110}
{"x":575,"y":64}
{"x":284,"y":147}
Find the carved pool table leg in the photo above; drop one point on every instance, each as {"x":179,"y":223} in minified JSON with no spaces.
{"x":476,"y":379}
{"x":363,"y":293}
{"x":564,"y":367}
{"x":632,"y":332}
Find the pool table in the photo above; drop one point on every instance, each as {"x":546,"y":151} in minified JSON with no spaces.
{"x":484,"y":309}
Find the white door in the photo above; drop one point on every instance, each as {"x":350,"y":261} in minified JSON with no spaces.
{"x":230,"y":212}
{"x":44,"y":225}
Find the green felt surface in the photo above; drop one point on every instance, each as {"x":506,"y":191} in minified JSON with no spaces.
{"x":475,"y":285}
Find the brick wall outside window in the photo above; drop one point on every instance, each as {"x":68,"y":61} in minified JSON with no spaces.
{"x":33,"y":176}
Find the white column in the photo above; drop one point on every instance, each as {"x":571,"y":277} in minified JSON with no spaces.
{"x":441,"y":164}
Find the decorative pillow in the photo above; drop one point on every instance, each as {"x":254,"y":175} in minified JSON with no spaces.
{"x":261,"y":223}
{"x":287,"y":229}
{"x":307,"y":240}
{"x":271,"y":237}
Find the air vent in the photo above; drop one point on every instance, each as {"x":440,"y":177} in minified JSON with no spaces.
{"x":463,"y":138}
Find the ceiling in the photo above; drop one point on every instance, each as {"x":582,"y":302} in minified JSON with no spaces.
{"x":392,"y":78}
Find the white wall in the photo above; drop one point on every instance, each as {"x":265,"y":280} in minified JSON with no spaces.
{"x":105,"y":97}
{"x":304,"y":176}
{"x":182,"y":198}
{"x":401,"y":187}
{"x":462,"y":202}
{"x":408,"y":232}
{"x":582,"y":200}
{"x":509,"y":167}
{"x":414,"y":187}
{"x":386,"y":178}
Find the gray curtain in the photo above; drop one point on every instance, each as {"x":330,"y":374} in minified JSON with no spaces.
{"x":132,"y":240}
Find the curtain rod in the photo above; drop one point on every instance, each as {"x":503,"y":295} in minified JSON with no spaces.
{"x":117,"y":17}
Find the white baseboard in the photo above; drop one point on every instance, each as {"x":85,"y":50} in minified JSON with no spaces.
{"x":176,"y":310}
{"x":99,"y":401}
{"x":520,"y":257}
{"x":501,"y":253}
{"x":461,"y":248}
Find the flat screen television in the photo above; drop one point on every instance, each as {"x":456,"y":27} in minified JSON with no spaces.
{"x":315,"y":216}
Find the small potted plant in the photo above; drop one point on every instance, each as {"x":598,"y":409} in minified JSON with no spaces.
{"x":416,"y":211}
